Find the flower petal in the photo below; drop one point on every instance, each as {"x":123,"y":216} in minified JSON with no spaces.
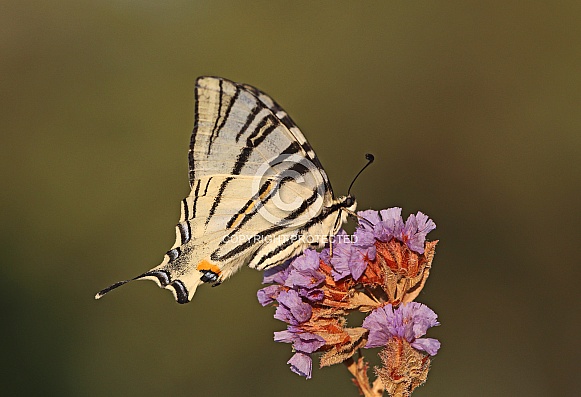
{"x":277,"y":274}
{"x":364,"y":237}
{"x":267,"y":295}
{"x":420,"y":317}
{"x":308,"y":342}
{"x":285,"y":336}
{"x":390,"y":226}
{"x":292,"y":309}
{"x":357,"y":264}
{"x":371,"y":216}
{"x":378,"y":323}
{"x":429,"y":345}
{"x":309,"y":260}
{"x":340,"y":261}
{"x":313,"y":295}
{"x":301,"y":364}
{"x":409,"y":321}
{"x":306,"y":278}
{"x":415,"y":230}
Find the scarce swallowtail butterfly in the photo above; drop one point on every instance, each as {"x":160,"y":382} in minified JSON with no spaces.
{"x":259,"y":194}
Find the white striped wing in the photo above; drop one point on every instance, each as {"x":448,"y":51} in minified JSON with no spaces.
{"x":238,"y":128}
{"x":259,"y":194}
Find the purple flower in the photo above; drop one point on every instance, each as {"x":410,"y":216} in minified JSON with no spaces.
{"x":277,"y":274}
{"x":387,"y":224}
{"x":364,"y":234}
{"x":291,"y":308}
{"x":383,"y":225}
{"x":415,"y":230}
{"x":304,"y":276}
{"x":371,"y":216}
{"x":410,"y":321}
{"x":313,"y":295}
{"x":302,"y":341}
{"x":391,"y":224}
{"x":429,"y":345}
{"x":349,"y":259}
{"x":304,"y":271}
{"x":301,"y":364}
{"x":309,"y":260}
{"x":324,"y":255}
{"x":364,"y":237}
{"x":267,"y":295}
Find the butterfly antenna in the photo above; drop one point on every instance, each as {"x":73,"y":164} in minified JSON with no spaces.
{"x":370,"y":159}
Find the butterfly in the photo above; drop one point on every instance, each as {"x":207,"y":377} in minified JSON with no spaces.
{"x":259,"y":194}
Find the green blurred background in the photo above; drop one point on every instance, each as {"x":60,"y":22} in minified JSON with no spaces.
{"x":471,"y":108}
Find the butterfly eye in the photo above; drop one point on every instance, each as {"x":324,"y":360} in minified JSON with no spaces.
{"x":349,"y":201}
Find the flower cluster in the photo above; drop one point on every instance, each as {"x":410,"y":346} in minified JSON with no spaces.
{"x":296,"y":288}
{"x":410,"y":321}
{"x":379,"y":272}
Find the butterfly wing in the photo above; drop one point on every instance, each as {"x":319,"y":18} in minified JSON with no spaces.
{"x":256,"y":188}
{"x":238,"y":127}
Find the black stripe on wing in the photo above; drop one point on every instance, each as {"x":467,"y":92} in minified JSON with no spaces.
{"x":259,"y":200}
{"x":256,"y":202}
{"x":217,"y":128}
{"x":331,"y":211}
{"x":249,"y":119}
{"x":181,"y":291}
{"x":185,"y":230}
{"x":218,"y":198}
{"x":173,"y":254}
{"x":192,"y":173}
{"x":286,"y":120}
{"x":260,"y":236}
{"x":163,"y":276}
{"x":272,"y":186}
{"x":260,"y":133}
{"x":196,"y":191}
{"x":214,"y":133}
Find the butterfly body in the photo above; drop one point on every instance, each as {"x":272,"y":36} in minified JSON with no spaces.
{"x":259,"y":195}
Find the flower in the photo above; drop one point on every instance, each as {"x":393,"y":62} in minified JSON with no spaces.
{"x":385,"y":264}
{"x":383,"y":225}
{"x":350,"y":258}
{"x":409,"y":321}
{"x":304,"y":276}
{"x":301,"y":364}
{"x":302,"y":341}
{"x":291,"y":308}
{"x":415,"y":230}
{"x":387,"y":224}
{"x":309,"y":260}
{"x":268,"y":295}
{"x":277,"y":274}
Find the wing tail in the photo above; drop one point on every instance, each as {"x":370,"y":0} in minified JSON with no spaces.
{"x":104,"y":291}
{"x":182,"y":289}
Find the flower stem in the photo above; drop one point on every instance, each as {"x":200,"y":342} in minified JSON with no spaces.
{"x":359,"y":371}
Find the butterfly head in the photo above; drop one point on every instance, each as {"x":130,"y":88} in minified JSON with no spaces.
{"x":349,"y":202}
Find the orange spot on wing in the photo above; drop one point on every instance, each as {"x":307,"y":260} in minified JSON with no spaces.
{"x":205,"y":265}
